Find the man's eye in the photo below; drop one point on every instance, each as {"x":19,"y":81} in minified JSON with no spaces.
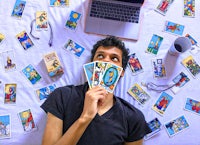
{"x":100,"y":56}
{"x":115,"y":59}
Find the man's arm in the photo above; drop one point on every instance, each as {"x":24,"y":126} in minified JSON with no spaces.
{"x":139,"y":142}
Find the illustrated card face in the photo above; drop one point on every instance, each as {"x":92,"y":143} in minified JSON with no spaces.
{"x":10,"y":93}
{"x":53,"y":64}
{"x":162,"y":103}
{"x":31,"y":74}
{"x":110,"y":77}
{"x":191,"y":65}
{"x":44,"y":92}
{"x":180,"y":80}
{"x":9,"y":62}
{"x":5,"y":126}
{"x":155,"y":126}
{"x":174,"y":28}
{"x":59,"y":2}
{"x":134,"y":64}
{"x":159,"y":69}
{"x":27,"y":121}
{"x":139,"y":94}
{"x":193,"y":41}
{"x":163,"y":6}
{"x":154,"y":44}
{"x":24,"y":40}
{"x":41,"y":20}
{"x":18,"y":8}
{"x":88,"y":69}
{"x":176,"y":126}
{"x":189,"y":8}
{"x":73,"y":20}
{"x":74,"y":48}
{"x":2,"y":38}
{"x":192,"y":106}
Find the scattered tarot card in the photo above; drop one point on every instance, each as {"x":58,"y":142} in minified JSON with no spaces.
{"x":139,"y":94}
{"x":2,"y":38}
{"x":134,"y":64}
{"x":10,"y":93}
{"x":110,"y":77}
{"x":179,"y":81}
{"x":74,"y":48}
{"x":27,"y":121}
{"x":18,"y":8}
{"x":41,"y":20}
{"x":155,"y":126}
{"x":195,"y":48}
{"x":189,"y":8}
{"x":73,"y":20}
{"x":191,"y":65}
{"x":44,"y":92}
{"x":59,"y":2}
{"x":53,"y":64}
{"x":5,"y":126}
{"x":176,"y":125}
{"x":159,"y":69}
{"x":174,"y":28}
{"x":88,"y":69}
{"x":24,"y":40}
{"x":31,"y":74}
{"x":154,"y":44}
{"x":163,"y":6}
{"x":162,"y":103}
{"x":9,"y":62}
{"x":192,"y":106}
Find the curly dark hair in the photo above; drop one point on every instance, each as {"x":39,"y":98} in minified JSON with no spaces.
{"x":112,"y":41}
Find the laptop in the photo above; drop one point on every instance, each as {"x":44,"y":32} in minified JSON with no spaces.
{"x":120,"y":18}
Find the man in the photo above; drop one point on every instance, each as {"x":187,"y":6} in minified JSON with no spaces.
{"x":83,"y":116}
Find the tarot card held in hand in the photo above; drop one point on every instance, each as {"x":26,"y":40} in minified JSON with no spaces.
{"x":191,"y":65}
{"x":159,"y":70}
{"x":9,"y":62}
{"x":163,"y":6}
{"x":154,"y":44}
{"x":5,"y":126}
{"x":44,"y":92}
{"x":162,"y":103}
{"x":31,"y":74}
{"x":176,"y":125}
{"x":2,"y":38}
{"x":189,"y":8}
{"x":88,"y":69}
{"x":41,"y":20}
{"x":53,"y":64}
{"x":179,"y":81}
{"x":18,"y":8}
{"x":174,"y":28}
{"x":134,"y":64}
{"x":24,"y":40}
{"x":155,"y":126}
{"x":74,"y":48}
{"x":73,"y":20}
{"x":59,"y":2}
{"x":27,"y":121}
{"x":192,"y":106}
{"x":10,"y":93}
{"x":139,"y":94}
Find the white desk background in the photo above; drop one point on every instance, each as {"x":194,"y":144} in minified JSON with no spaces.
{"x":152,"y":23}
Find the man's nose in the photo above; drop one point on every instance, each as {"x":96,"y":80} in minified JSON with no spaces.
{"x":106,"y":59}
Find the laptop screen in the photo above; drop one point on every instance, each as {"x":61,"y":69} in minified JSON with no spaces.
{"x":132,"y":1}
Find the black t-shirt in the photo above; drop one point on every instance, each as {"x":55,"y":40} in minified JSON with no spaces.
{"x":122,"y":123}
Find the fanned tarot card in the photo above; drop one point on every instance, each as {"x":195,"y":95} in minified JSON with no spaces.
{"x":191,"y":65}
{"x":189,"y":8}
{"x":41,"y":20}
{"x":73,"y":20}
{"x":139,"y":94}
{"x":134,"y":64}
{"x":31,"y":74}
{"x":10,"y":93}
{"x":163,"y":6}
{"x":176,"y":125}
{"x":5,"y":126}
{"x":18,"y":8}
{"x":174,"y":28}
{"x":2,"y":38}
{"x":192,"y":105}
{"x":88,"y":69}
{"x":159,"y":70}
{"x":59,"y":3}
{"x":44,"y":92}
{"x":162,"y":103}
{"x":27,"y":121}
{"x":9,"y":62}
{"x":24,"y":40}
{"x":154,"y":44}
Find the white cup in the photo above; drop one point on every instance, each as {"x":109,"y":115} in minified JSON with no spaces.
{"x":180,"y":45}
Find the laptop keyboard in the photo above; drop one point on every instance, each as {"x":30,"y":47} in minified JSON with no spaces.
{"x":117,"y":12}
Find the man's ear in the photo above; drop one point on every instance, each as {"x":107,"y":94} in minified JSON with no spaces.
{"x":122,"y":74}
